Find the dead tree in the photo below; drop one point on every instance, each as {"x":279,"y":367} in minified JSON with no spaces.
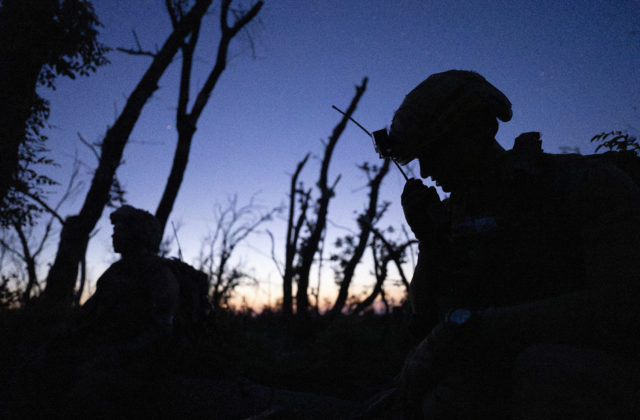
{"x":384,"y":252}
{"x":310,"y":244}
{"x":398,"y":252}
{"x":29,"y":248}
{"x":294,"y":227}
{"x":77,"y":229}
{"x":186,"y":121}
{"x":380,"y":271}
{"x":366,"y":221}
{"x":233,"y":225}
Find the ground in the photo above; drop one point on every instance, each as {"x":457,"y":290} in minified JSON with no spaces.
{"x":247,"y":364}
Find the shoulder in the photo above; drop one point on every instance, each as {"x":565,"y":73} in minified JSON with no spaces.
{"x":111,"y":274}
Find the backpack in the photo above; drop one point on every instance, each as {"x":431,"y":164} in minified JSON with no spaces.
{"x":195,"y":309}
{"x":625,"y":160}
{"x":624,"y":152}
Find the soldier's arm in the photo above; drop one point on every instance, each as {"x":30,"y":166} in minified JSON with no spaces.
{"x":601,"y":318}
{"x":426,"y":216}
{"x":423,"y":290}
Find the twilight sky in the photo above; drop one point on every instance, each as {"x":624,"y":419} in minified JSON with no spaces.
{"x":571,"y":70}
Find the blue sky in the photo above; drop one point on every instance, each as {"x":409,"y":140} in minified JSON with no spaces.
{"x":571,"y":70}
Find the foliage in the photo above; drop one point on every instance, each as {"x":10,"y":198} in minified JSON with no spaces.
{"x":616,"y":141}
{"x":26,"y":243}
{"x":61,"y":35}
{"x":73,"y":48}
{"x":49,"y":39}
{"x":9,"y":294}
{"x":20,"y":205}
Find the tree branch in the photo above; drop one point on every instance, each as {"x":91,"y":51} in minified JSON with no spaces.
{"x":44,"y":206}
{"x":139,"y":50}
{"x":221,"y":61}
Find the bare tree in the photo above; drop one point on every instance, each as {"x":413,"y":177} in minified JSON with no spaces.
{"x":294,"y":226}
{"x":29,"y":247}
{"x":380,"y":271}
{"x":77,"y":229}
{"x":233,"y":225}
{"x":310,"y":244}
{"x":383,"y":252}
{"x":398,"y":250}
{"x":366,"y":221}
{"x":186,"y":121}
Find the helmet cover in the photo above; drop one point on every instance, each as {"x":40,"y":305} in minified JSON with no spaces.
{"x":439,"y":104}
{"x":143,"y":225}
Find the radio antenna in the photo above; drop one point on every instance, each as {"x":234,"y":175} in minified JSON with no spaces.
{"x":369,"y":134}
{"x":356,"y":122}
{"x":175,"y":233}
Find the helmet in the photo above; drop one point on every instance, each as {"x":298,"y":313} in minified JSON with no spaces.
{"x":144,"y":226}
{"x":437,"y":105}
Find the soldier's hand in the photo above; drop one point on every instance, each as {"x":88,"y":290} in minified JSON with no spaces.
{"x":420,"y":368}
{"x":422,"y":207}
{"x":439,"y":364}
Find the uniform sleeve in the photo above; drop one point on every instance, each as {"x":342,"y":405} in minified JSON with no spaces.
{"x":423,"y":289}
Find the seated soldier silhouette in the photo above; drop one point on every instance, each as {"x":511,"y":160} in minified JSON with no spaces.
{"x":137,"y":297}
{"x":110,"y":360}
{"x":114,"y":353}
{"x":525,"y":296}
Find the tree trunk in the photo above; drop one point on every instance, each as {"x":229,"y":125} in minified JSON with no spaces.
{"x":293,"y":233}
{"x":75,"y":233}
{"x":186,"y":123}
{"x":180,"y":160}
{"x":308,"y":252}
{"x":365,"y":224}
{"x":380,"y":268}
{"x":29,"y":261}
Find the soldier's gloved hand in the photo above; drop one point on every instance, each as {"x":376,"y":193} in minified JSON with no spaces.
{"x":445,"y":370}
{"x":422,"y":209}
{"x":422,"y":369}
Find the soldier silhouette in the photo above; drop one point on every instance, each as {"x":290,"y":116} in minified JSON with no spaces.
{"x":137,"y":297}
{"x":112,"y":357}
{"x":525,"y":294}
